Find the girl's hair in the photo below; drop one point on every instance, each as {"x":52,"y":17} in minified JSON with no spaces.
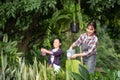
{"x":94,"y":25}
{"x":59,"y":40}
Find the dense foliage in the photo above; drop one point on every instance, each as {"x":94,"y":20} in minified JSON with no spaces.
{"x":28,"y":25}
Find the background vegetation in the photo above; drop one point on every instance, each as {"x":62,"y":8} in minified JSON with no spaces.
{"x":28,"y":25}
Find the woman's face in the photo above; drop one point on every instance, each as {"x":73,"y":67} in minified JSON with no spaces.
{"x":90,"y":30}
{"x":56,"y":43}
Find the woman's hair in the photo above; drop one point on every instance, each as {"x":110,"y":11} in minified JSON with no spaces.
{"x":94,"y":25}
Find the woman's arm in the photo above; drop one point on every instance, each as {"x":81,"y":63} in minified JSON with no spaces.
{"x":72,"y":46}
{"x":77,"y":42}
{"x":91,"y":49}
{"x":77,"y":55}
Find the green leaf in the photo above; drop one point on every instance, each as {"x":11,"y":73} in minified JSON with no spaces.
{"x":119,"y":74}
{"x":77,"y":76}
{"x":84,"y":72}
{"x":72,"y":65}
{"x":5,"y":38}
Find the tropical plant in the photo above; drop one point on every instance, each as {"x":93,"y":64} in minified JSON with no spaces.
{"x":20,"y":18}
{"x":82,"y":75}
{"x":37,"y":71}
{"x":106,"y":56}
{"x":9,"y":49}
{"x":85,"y":75}
{"x":62,"y":18}
{"x":9,"y":58}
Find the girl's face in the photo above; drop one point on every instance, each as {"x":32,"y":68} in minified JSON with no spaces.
{"x":56,"y":43}
{"x":90,"y":30}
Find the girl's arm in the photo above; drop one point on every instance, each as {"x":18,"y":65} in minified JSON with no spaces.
{"x":46,"y":51}
{"x":58,"y":52}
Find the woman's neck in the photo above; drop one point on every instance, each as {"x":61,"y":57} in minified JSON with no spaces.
{"x":90,"y":35}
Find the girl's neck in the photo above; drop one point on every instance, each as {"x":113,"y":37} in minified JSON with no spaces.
{"x":56,"y":48}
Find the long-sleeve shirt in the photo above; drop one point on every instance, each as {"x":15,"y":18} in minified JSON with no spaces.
{"x":56,"y":57}
{"x":91,"y":43}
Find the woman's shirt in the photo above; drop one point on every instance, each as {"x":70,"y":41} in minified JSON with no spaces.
{"x":91,"y":43}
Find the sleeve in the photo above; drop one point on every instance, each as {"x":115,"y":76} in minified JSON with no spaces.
{"x":57,"y":53}
{"x":92,"y":47}
{"x":49,"y":61}
{"x":78,"y":42}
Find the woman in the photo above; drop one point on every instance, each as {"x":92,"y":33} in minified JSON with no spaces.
{"x":88,"y":42}
{"x":54,"y":54}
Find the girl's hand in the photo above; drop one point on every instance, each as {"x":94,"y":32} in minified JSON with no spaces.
{"x":43,"y":50}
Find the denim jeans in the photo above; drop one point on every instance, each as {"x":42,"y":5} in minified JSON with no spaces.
{"x":90,"y":62}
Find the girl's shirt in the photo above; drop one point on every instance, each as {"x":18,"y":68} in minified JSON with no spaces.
{"x":55,"y":57}
{"x":90,"y":43}
{"x":52,"y":56}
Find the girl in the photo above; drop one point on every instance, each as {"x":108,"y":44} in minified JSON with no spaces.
{"x":54,"y":54}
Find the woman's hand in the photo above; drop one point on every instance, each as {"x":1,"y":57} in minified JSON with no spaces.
{"x":72,"y":46}
{"x":73,"y":56}
{"x":76,"y":55}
